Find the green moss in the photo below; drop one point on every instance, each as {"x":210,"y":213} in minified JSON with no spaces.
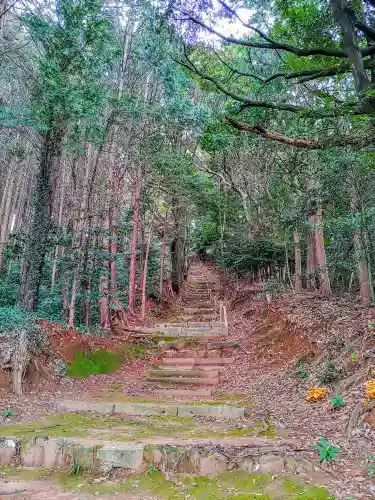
{"x":93,"y":363}
{"x":24,"y":474}
{"x":127,"y":428}
{"x":269,"y":431}
{"x":231,"y":484}
{"x":234,"y":484}
{"x":305,"y":492}
{"x":123,"y":398}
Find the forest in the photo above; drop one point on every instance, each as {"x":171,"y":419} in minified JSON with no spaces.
{"x":187,"y":248}
{"x":133,"y":134}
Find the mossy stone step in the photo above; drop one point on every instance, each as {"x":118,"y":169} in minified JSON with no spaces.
{"x":216,"y":410}
{"x":183,"y":393}
{"x":176,"y":361}
{"x":212,"y":373}
{"x":183,"y":380}
{"x":194,"y":456}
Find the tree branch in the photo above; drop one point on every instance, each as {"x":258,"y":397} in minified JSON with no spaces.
{"x":270,"y":44}
{"x":248,"y":102}
{"x":275,"y":136}
{"x":299,"y":143}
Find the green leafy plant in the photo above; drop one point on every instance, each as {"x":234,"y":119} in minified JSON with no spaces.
{"x":371,"y":465}
{"x":303,"y":371}
{"x":8,"y":412}
{"x":152,"y":469}
{"x":337,"y":402}
{"x":76,"y":469}
{"x":329,"y":372}
{"x":327,"y":451}
{"x":354,"y":356}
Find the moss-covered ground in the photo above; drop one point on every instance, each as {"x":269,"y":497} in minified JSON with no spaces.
{"x":235,"y":484}
{"x":101,"y":362}
{"x":128,"y":428}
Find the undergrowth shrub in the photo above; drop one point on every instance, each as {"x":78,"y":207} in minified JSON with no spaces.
{"x":337,"y":402}
{"x":329,"y":372}
{"x":327,"y":451}
{"x":371,"y":464}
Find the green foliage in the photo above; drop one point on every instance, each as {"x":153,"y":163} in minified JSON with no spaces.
{"x":371,"y":465}
{"x":303,"y":371}
{"x":94,"y":363}
{"x":13,"y":318}
{"x":76,"y":469}
{"x":327,"y":451}
{"x":329,"y":372}
{"x":337,"y":402}
{"x":240,"y":255}
{"x":8,"y":412}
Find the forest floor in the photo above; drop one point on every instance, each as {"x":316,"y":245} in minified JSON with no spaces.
{"x":288,"y":345}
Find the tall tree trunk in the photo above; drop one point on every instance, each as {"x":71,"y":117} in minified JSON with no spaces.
{"x":5,"y":217}
{"x":364,"y":278}
{"x":311,"y":255}
{"x":325,"y":285}
{"x":37,"y":244}
{"x":164,"y":237}
{"x":59,"y":221}
{"x":177,"y":248}
{"x":133,"y":247}
{"x":103,"y":281}
{"x":145,"y":267}
{"x":298,"y":263}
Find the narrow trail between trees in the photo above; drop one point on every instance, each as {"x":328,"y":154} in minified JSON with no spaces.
{"x":215,"y":411}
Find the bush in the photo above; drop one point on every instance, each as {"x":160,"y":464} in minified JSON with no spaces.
{"x":337,"y":402}
{"x":329,"y":372}
{"x":327,"y":451}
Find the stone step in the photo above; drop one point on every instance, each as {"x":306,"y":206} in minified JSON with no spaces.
{"x":201,"y":456}
{"x":155,"y":409}
{"x":191,"y":367}
{"x":201,"y":304}
{"x":198,"y":310}
{"x":197,"y":373}
{"x":183,"y":380}
{"x":196,"y":361}
{"x":203,"y":317}
{"x":198,"y":392}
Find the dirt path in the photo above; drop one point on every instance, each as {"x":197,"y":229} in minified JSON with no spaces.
{"x":43,"y":490}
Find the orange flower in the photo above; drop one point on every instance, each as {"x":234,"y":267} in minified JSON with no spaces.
{"x":370,"y":388}
{"x":315,"y":394}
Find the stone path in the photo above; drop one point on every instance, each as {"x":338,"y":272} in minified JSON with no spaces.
{"x":195,"y":349}
{"x":172,"y":432}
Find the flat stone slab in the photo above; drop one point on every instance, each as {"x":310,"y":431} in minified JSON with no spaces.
{"x":183,"y":380}
{"x":217,"y":411}
{"x":124,"y":456}
{"x":161,"y":409}
{"x":184,"y":393}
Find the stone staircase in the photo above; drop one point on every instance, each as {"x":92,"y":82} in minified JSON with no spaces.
{"x":195,"y":349}
{"x":198,"y":432}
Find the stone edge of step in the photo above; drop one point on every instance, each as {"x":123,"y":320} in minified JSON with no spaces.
{"x":202,"y":453}
{"x":155,"y":409}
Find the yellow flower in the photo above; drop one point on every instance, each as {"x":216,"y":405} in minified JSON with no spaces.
{"x":370,"y":388}
{"x":315,"y":394}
